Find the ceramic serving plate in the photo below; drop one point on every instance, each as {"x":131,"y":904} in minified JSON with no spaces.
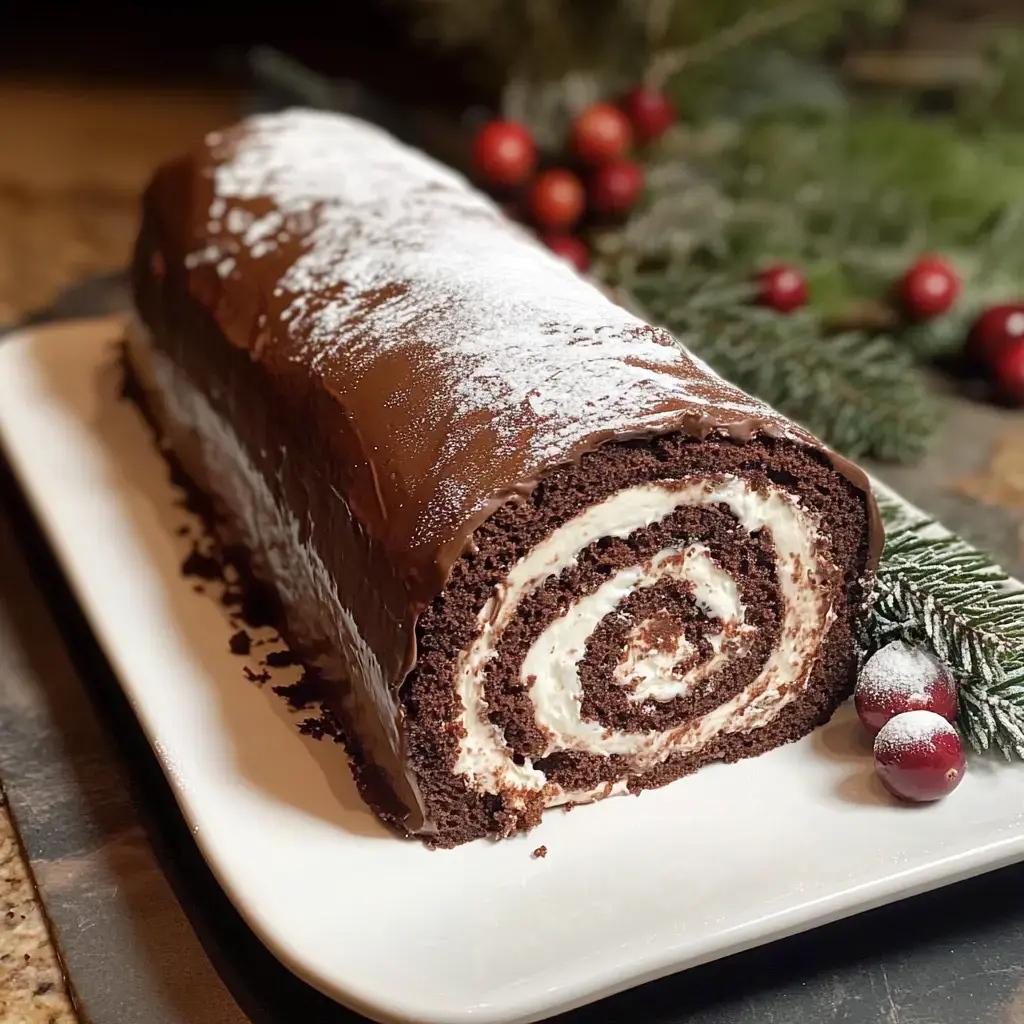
{"x":631,"y":889}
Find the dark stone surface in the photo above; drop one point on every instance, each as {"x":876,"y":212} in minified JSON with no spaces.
{"x":147,"y":935}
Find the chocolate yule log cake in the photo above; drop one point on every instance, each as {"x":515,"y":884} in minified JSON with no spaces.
{"x":539,"y":554}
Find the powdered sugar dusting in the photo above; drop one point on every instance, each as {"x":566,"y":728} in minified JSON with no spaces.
{"x":911,"y":729}
{"x":899,"y":670}
{"x":399,"y":254}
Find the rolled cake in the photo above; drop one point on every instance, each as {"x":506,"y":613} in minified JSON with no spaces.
{"x":539,"y":554}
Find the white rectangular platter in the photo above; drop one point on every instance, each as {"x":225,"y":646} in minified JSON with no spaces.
{"x":631,"y":889}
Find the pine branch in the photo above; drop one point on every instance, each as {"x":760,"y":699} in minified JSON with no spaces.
{"x":657,"y":20}
{"x":546,"y":39}
{"x":862,"y":395}
{"x":935,"y":589}
{"x":752,"y":26}
{"x":854,"y":201}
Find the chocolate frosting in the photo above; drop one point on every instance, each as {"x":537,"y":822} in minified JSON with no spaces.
{"x":436,"y":359}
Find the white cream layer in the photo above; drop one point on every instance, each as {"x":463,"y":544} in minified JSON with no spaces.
{"x":651,"y":673}
{"x":550,"y":668}
{"x":554,"y":658}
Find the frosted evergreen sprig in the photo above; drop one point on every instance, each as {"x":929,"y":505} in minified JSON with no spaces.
{"x":935,"y":589}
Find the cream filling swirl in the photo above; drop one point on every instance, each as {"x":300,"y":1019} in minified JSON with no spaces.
{"x":550,"y":669}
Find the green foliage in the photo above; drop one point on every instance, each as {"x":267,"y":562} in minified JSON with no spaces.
{"x":855,"y":199}
{"x":535,"y":39}
{"x":547,"y":39}
{"x":996,"y":99}
{"x":935,"y":589}
{"x":863,"y":394}
{"x":716,"y":54}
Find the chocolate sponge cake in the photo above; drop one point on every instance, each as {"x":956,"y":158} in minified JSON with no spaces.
{"x":539,"y":554}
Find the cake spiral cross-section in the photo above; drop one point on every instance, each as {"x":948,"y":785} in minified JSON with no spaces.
{"x":538,"y":553}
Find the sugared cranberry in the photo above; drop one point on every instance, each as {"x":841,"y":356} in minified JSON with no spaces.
{"x":900,"y":678}
{"x":919,"y":756}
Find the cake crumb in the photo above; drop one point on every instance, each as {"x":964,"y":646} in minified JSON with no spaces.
{"x":306,"y":693}
{"x":240,"y":642}
{"x":281,"y":659}
{"x":540,"y":853}
{"x":202,"y":565}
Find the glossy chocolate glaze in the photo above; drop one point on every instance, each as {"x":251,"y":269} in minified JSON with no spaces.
{"x":398,"y":360}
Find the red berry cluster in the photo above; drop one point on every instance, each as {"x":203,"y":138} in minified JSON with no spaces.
{"x":599,"y":179}
{"x":907,"y":700}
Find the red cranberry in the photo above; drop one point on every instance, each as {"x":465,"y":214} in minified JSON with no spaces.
{"x":1008,"y":372}
{"x":571,"y":249}
{"x":900,"y":678}
{"x":651,"y":112}
{"x":557,"y":199}
{"x":993,"y":331}
{"x":782,"y":288}
{"x":919,"y":756}
{"x":504,"y":153}
{"x":602,"y":132}
{"x":615,"y":187}
{"x":929,"y":288}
